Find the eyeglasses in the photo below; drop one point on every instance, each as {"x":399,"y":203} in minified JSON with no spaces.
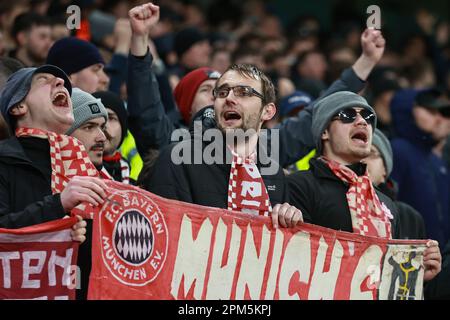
{"x":348,"y":115}
{"x":239,"y":91}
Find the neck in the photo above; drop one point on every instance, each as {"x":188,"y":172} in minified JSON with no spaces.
{"x":29,"y":124}
{"x":245,"y":147}
{"x":344,"y":160}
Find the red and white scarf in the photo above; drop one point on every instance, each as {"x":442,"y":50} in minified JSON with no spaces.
{"x":246,"y":189}
{"x":369,"y":216}
{"x":68,"y":158}
{"x":124,"y":166}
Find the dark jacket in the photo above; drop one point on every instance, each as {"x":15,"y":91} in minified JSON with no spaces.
{"x":26,"y":197}
{"x":203,"y":184}
{"x":25,"y":189}
{"x":423,"y":178}
{"x":321,"y":196}
{"x":147,"y":119}
{"x":411,"y":224}
{"x":152,"y":128}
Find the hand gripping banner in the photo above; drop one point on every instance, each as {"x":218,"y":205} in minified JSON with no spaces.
{"x":38,"y":262}
{"x":148,"y":247}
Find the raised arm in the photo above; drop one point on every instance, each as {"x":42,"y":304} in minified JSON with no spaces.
{"x":148,"y":121}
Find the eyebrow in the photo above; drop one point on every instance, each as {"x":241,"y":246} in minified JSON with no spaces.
{"x":93,"y":123}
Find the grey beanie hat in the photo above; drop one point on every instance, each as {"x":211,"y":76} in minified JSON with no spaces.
{"x":384,"y":146}
{"x":85,"y":107}
{"x":326,"y":108}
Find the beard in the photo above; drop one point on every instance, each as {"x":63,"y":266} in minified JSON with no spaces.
{"x":248,"y":122}
{"x":36,"y":56}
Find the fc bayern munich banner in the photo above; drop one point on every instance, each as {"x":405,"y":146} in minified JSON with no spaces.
{"x":147,"y":247}
{"x":38,"y":262}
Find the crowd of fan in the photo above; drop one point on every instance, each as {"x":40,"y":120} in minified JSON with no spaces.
{"x":154,"y":77}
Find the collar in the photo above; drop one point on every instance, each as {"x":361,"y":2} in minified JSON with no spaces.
{"x":321,"y":170}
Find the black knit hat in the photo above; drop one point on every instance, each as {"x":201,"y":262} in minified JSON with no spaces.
{"x":72,"y":55}
{"x":112,"y":101}
{"x":186,"y":38}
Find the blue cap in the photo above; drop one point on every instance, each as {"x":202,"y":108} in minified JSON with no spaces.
{"x":294,"y":100}
{"x":19,"y":83}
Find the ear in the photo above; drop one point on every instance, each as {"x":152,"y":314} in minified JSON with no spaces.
{"x":269,"y":111}
{"x":325,"y":135}
{"x":18,"y":110}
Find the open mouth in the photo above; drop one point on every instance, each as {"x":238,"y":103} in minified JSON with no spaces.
{"x":360,"y":137}
{"x":60,"y":100}
{"x":231,"y":115}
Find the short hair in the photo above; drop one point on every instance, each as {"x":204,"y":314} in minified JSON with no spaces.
{"x":26,"y":21}
{"x":252,"y":72}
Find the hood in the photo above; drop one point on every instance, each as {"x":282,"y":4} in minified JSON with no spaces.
{"x":403,"y":120}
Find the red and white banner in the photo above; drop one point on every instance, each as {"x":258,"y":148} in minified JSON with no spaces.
{"x":38,"y":262}
{"x":147,"y":247}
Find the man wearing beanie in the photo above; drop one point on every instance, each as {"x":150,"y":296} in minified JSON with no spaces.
{"x":116,"y":131}
{"x":81,"y":61}
{"x":37,"y":106}
{"x":336,"y":192}
{"x":194,"y":92}
{"x":379,"y":164}
{"x":192,"y":49}
{"x":90,"y":117}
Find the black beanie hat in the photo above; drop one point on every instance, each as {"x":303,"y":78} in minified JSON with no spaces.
{"x":72,"y":55}
{"x":186,"y":38}
{"x":112,"y":101}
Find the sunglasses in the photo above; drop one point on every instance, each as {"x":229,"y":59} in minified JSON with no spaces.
{"x":348,"y":115}
{"x":239,"y":91}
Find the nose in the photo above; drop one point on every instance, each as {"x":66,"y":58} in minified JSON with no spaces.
{"x":231,"y":97}
{"x":59,"y":82}
{"x":360,"y":120}
{"x":101,"y":137}
{"x":104,"y":80}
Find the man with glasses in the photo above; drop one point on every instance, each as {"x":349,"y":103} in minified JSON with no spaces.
{"x":236,"y":179}
{"x":336,"y":192}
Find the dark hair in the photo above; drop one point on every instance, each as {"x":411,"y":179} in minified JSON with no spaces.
{"x":25,"y":21}
{"x":252,"y":72}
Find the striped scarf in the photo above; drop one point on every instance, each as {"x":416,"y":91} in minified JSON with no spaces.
{"x":369,"y":216}
{"x":246,"y":189}
{"x":68,"y":158}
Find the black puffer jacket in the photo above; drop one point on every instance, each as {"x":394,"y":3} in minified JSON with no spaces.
{"x":25,"y":193}
{"x":203,"y":184}
{"x":26,"y":198}
{"x":321,"y":196}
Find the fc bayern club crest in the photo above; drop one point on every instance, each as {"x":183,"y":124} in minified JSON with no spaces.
{"x":134,"y":238}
